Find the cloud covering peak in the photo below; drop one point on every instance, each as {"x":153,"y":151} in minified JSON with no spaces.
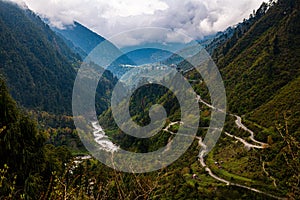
{"x":195,"y":18}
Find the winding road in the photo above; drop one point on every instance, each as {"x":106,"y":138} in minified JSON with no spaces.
{"x":260,"y":145}
{"x":268,"y":174}
{"x":239,"y":124}
{"x":202,"y":162}
{"x":247,"y":145}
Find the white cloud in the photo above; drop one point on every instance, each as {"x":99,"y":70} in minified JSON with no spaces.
{"x":195,"y":18}
{"x":133,"y":8}
{"x":142,"y":36}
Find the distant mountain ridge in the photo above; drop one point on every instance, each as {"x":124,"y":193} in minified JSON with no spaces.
{"x":82,"y":39}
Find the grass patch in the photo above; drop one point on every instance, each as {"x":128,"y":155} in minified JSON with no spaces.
{"x":234,"y":176}
{"x":223,"y":173}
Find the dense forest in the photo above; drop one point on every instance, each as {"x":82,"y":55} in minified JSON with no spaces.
{"x":38,"y":66}
{"x":41,"y":153}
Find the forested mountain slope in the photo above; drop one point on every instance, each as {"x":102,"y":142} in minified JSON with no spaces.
{"x":261,"y":71}
{"x":38,"y":66}
{"x":264,"y":60}
{"x":38,"y":74}
{"x":285,"y":102}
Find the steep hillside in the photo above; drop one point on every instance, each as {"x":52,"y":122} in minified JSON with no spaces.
{"x":224,"y":42}
{"x":264,"y":60}
{"x":285,"y":102}
{"x":37,"y":73}
{"x":261,"y":72}
{"x":38,"y":66}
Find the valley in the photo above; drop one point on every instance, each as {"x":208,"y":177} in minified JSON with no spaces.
{"x":43,"y":153}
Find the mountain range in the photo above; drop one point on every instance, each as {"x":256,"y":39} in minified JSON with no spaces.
{"x":256,"y":157}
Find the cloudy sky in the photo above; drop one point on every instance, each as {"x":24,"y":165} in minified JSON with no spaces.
{"x":195,"y":18}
